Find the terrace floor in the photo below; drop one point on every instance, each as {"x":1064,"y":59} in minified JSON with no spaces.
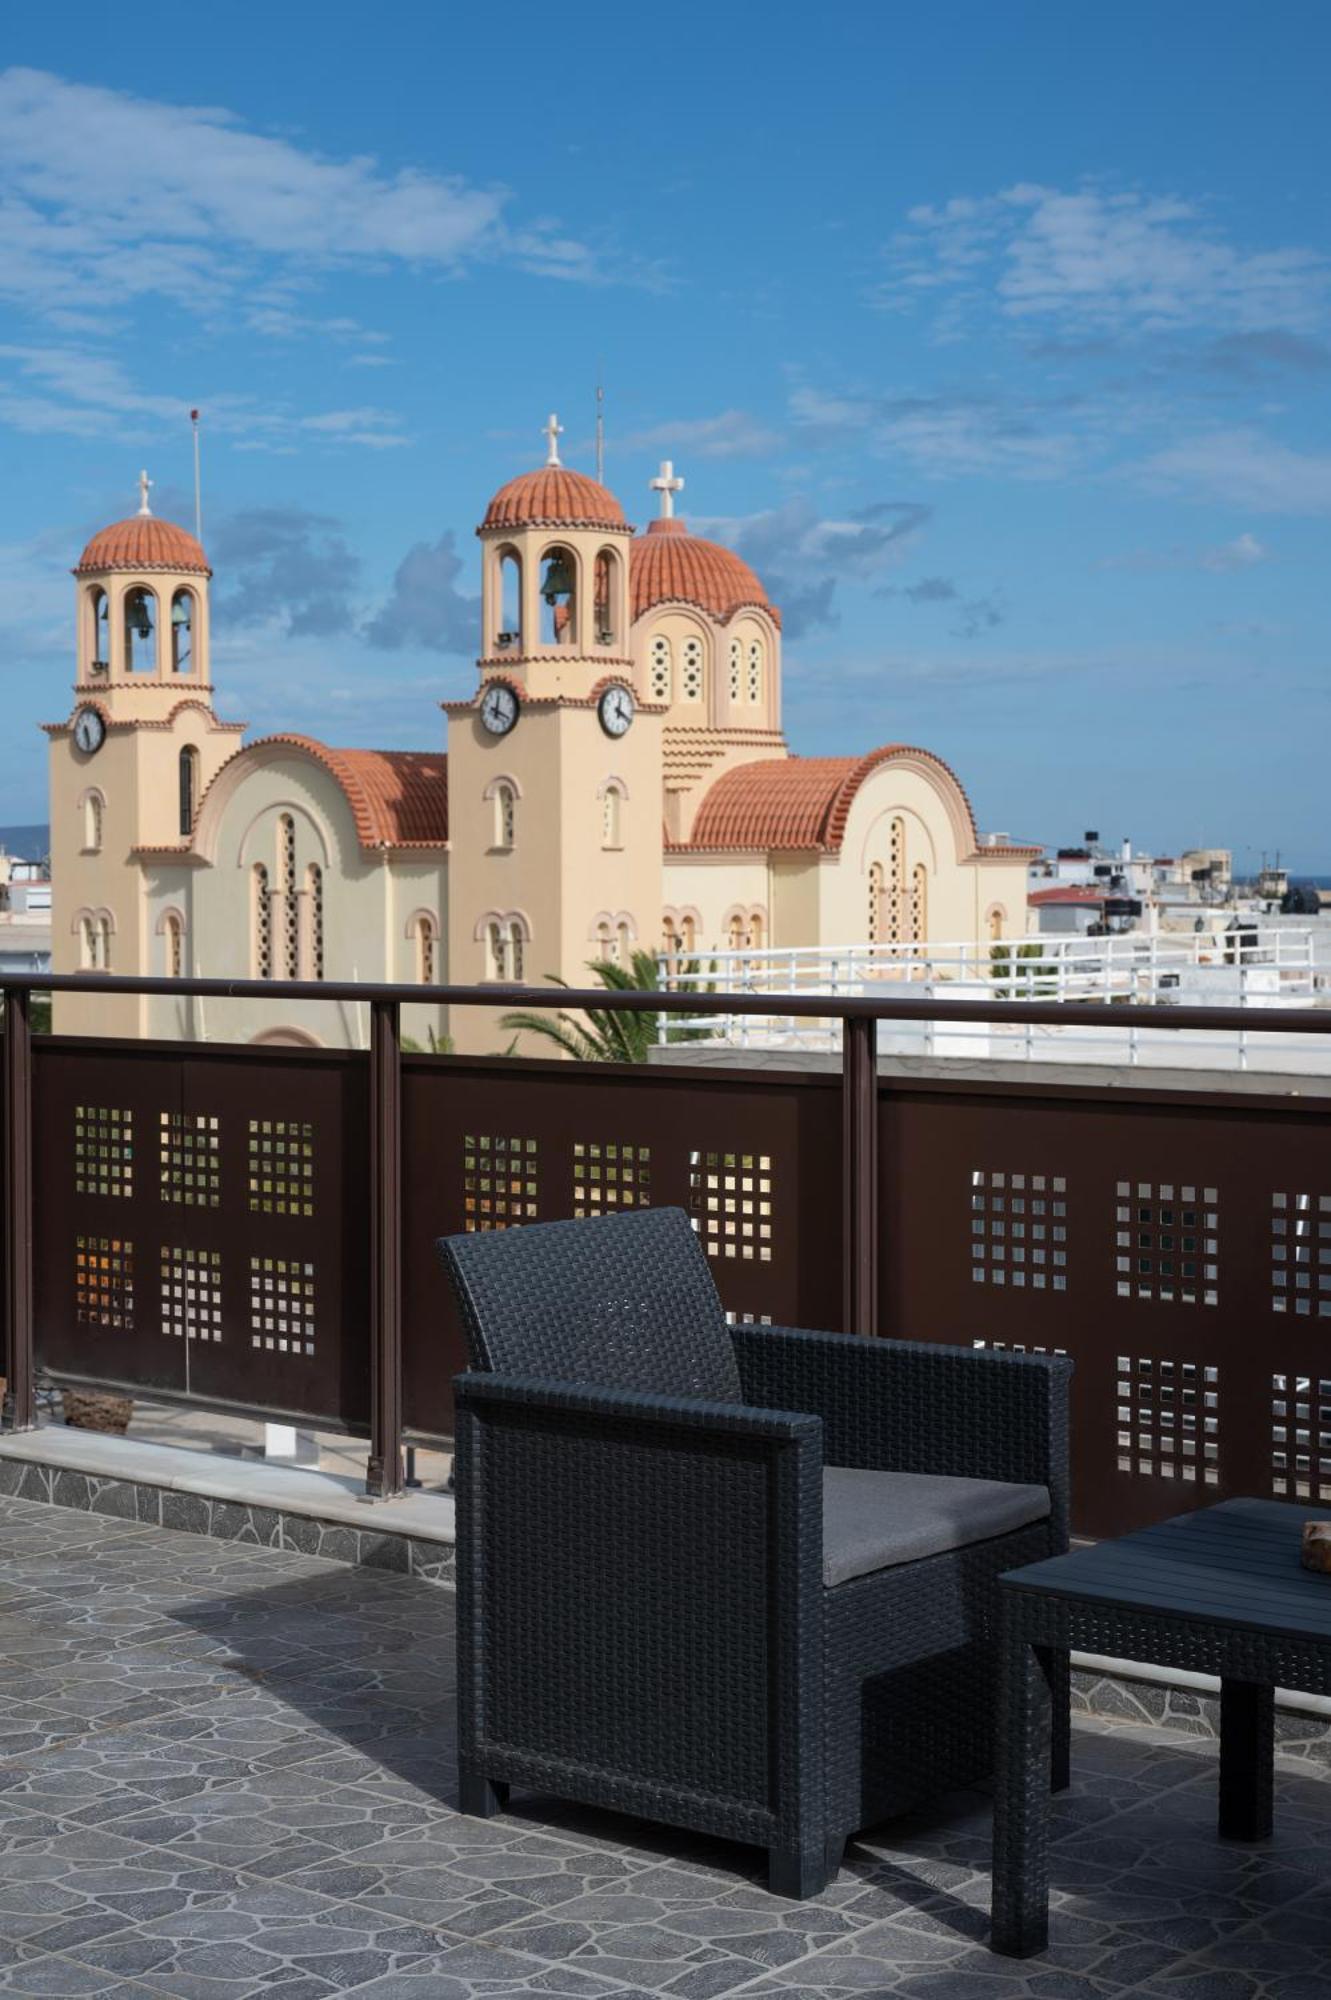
{"x":227,"y":1771}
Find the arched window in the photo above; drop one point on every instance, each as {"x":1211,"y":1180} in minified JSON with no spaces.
{"x":140,"y":631}
{"x":691,"y":675}
{"x":100,"y":607}
{"x":736,"y":670}
{"x":605,"y":576}
{"x":559,"y":591}
{"x":626,"y":936}
{"x":189,"y":788}
{"x":93,"y":809}
{"x":506,"y":940}
{"x":755,"y":670}
{"x":261,"y":921}
{"x":88,"y":943}
{"x":504,"y":804}
{"x":660,"y":673}
{"x":517,"y":939}
{"x":496,"y":950}
{"x":996,"y":919}
{"x":612,"y":826}
{"x":427,"y":937}
{"x":737,"y":932}
{"x":182,"y":632}
{"x":605,"y":938}
{"x":919,"y":903}
{"x":896,"y":882}
{"x":173,"y":945}
{"x":102,"y":942}
{"x":670,"y":937}
{"x":508,"y":606}
{"x":286,"y":868}
{"x":876,"y":902}
{"x":314,"y":890}
{"x":688,"y":933}
{"x":757,"y":930}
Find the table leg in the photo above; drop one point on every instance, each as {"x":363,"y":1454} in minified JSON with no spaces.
{"x":1247,"y":1760}
{"x":1058,"y":1672}
{"x":1021,"y":1799}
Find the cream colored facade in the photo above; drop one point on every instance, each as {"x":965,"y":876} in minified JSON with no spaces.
{"x":635,"y":791}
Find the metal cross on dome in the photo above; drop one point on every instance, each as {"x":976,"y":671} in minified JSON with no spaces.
{"x":144,"y":485}
{"x":553,"y":430}
{"x":667,"y":485}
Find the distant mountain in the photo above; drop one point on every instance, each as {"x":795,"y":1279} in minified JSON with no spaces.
{"x":29,"y":843}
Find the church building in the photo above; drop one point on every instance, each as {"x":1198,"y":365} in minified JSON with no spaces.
{"x":618,"y":779}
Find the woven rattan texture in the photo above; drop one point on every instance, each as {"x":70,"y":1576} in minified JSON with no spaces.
{"x":642,"y":1618}
{"x":625,"y":1301}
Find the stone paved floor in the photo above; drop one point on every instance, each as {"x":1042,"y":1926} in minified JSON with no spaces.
{"x":227,"y":1771}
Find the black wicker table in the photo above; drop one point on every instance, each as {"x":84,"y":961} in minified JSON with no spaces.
{"x":1220,"y":1591}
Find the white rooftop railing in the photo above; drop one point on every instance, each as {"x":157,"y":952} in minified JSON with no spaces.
{"x":1252,"y":965}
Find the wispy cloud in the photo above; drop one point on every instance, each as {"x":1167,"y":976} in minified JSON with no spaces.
{"x":973,"y":614}
{"x":1093,"y":258}
{"x":732,"y":434}
{"x":1242,"y":468}
{"x":112,"y":199}
{"x":953,"y":434}
{"x":1244,"y":552}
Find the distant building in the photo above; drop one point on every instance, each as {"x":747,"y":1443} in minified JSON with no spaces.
{"x":25,"y":915}
{"x":619,"y":778}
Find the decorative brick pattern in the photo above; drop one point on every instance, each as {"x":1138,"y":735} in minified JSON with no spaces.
{"x":1167,"y":1243}
{"x":1168,"y":1419}
{"x":282,"y":1305}
{"x":1019,"y":1230}
{"x":191,"y":1144}
{"x":192,"y":1293}
{"x":730,"y":1204}
{"x":500,"y":1181}
{"x":103,"y":1150}
{"x":281,"y":1164}
{"x":1301,"y":1254}
{"x":610,"y":1177}
{"x":1301,"y":1437}
{"x":104,"y":1281}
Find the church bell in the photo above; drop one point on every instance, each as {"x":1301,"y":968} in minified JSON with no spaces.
{"x":558,"y":578}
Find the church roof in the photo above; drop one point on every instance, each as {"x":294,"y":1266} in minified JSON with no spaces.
{"x":398,"y":798}
{"x":802,"y":804}
{"x":554,"y":497}
{"x":667,"y":564}
{"x":143,"y":542}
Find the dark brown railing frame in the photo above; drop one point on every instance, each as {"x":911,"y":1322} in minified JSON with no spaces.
{"x":858,"y":1016}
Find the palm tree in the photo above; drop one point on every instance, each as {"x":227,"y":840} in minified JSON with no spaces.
{"x":603,"y":1035}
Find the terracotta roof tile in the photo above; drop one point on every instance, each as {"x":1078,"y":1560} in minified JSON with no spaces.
{"x":143,"y":542}
{"x":398,"y":798}
{"x":554,"y":497}
{"x":668,"y":564}
{"x":797,"y":802}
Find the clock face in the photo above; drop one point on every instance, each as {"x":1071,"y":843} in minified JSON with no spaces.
{"x":499,"y":709}
{"x":616,"y":709}
{"x":89,"y":730}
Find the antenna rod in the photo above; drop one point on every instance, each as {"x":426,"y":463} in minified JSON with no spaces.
{"x":198,"y":497}
{"x":600,"y":432}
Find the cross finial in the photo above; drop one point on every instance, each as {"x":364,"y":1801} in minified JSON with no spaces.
{"x":553,"y":430}
{"x":144,"y":485}
{"x":667,"y":485}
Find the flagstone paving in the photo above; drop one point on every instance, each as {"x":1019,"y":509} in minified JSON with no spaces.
{"x":227,"y":1771}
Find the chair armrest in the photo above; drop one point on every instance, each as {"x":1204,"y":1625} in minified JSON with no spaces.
{"x":640,"y":1590}
{"x":910,"y":1406}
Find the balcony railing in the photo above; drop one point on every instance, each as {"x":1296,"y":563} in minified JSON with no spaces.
{"x":251,"y":1228}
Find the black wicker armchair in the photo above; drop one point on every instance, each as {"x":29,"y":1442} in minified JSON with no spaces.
{"x":738,"y":1579}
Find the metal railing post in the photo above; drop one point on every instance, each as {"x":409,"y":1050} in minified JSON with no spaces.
{"x":20,"y":1366}
{"x":383,"y":1474}
{"x":859,"y":1150}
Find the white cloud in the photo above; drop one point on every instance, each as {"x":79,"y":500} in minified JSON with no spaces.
{"x":732,"y":434}
{"x":1244,"y":552}
{"x":951,"y":435}
{"x":1243,"y":468}
{"x":111,"y":199}
{"x":1090,"y":258}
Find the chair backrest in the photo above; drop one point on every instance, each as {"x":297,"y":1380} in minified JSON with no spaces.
{"x":621,"y":1301}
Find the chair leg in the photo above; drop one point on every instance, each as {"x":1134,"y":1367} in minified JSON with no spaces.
{"x":479,"y":1798}
{"x":800,"y":1872}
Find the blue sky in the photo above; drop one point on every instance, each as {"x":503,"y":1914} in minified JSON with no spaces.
{"x":997,"y":336}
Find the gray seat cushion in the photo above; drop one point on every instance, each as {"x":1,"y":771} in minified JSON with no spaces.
{"x":875,"y":1520}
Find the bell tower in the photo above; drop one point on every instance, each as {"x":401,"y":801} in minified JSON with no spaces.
{"x":554,"y":785}
{"x":130,"y":763}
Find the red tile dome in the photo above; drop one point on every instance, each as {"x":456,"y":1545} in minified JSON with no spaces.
{"x":668,"y":563}
{"x":143,"y":542}
{"x":554,"y":497}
